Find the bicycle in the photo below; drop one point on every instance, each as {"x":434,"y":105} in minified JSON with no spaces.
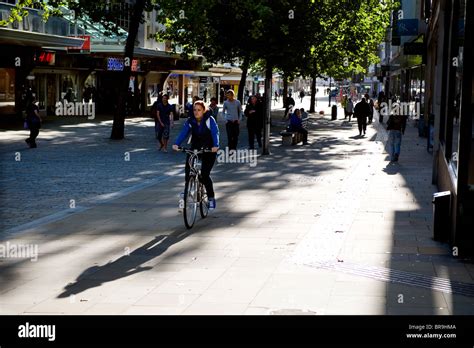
{"x":194,"y":190}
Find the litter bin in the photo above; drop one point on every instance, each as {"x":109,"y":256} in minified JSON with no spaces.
{"x":334,"y":113}
{"x":441,"y":215}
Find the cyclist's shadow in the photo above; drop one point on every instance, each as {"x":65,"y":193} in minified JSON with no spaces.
{"x":128,"y":264}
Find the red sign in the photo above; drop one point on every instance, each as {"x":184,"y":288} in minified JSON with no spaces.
{"x":45,"y":57}
{"x":86,"y":45}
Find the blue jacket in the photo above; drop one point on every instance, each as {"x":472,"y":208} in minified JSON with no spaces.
{"x":295,"y":121}
{"x":206,"y":134}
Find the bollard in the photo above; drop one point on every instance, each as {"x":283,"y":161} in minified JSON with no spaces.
{"x":334,"y":113}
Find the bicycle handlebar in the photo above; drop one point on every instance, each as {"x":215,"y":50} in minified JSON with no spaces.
{"x":190,"y":151}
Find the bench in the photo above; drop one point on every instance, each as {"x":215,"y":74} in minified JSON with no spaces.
{"x":292,"y":138}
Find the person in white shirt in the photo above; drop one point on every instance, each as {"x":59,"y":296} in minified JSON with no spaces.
{"x":232,"y":110}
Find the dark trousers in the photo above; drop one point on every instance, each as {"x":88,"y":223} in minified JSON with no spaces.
{"x":34,"y":131}
{"x":371,"y":117}
{"x":254,"y":131}
{"x":208,"y":160}
{"x":233,"y":131}
{"x":362,"y":123}
{"x":302,"y":131}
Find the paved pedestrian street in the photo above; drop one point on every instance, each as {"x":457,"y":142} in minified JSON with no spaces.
{"x":328,"y":228}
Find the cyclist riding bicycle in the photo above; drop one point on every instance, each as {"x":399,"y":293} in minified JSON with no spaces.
{"x":204,"y":134}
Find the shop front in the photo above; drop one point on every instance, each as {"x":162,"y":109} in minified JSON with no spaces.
{"x":450,"y":99}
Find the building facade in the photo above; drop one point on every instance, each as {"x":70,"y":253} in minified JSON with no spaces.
{"x":449,"y":100}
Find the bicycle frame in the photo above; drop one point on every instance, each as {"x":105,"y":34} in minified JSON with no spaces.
{"x":195,"y":164}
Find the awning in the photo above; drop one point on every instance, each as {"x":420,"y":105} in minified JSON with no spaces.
{"x":28,"y":38}
{"x":138,"y":52}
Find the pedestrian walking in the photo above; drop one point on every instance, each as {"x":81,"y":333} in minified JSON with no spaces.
{"x":232,"y":110}
{"x":344,"y":105}
{"x":205,"y":95}
{"x":290,"y":103}
{"x":222,"y":95}
{"x":380,"y":101}
{"x":214,"y":108}
{"x":371,"y":105}
{"x":247,"y":96}
{"x":301,"y":95}
{"x":361,"y":112}
{"x":349,"y":108}
{"x":33,"y":122}
{"x":129,"y":101}
{"x":164,"y":115}
{"x":189,"y":107}
{"x":254,"y":114}
{"x":396,"y":126}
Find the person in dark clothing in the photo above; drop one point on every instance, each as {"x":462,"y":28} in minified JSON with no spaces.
{"x":204,"y":133}
{"x":189,"y":106}
{"x":296,"y":125}
{"x":361,"y":112}
{"x":222,"y":95}
{"x":380,"y":100}
{"x":301,"y":95}
{"x":129,"y":102}
{"x":290,"y":102}
{"x":69,"y":96}
{"x":371,"y":105}
{"x":164,"y":116}
{"x":33,"y":120}
{"x":396,"y":126}
{"x":254,"y":115}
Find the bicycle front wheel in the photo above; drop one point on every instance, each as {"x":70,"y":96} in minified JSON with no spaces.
{"x":190,"y":202}
{"x":204,"y":201}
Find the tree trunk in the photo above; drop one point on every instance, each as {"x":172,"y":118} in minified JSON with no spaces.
{"x":118,"y":127}
{"x":243,"y":78}
{"x":268,"y":105}
{"x":313,"y":94}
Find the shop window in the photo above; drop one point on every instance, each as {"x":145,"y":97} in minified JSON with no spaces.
{"x":36,"y":24}
{"x":26,"y":24}
{"x":63,"y":29}
{"x":455,"y":87}
{"x":7,"y":91}
{"x":69,"y":87}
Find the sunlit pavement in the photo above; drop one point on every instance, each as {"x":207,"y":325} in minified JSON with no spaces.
{"x":329,"y":228}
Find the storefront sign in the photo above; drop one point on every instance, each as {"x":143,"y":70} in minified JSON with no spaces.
{"x":116,"y":64}
{"x":203,"y":79}
{"x":45,"y":58}
{"x":86,"y":45}
{"x":406,"y":27}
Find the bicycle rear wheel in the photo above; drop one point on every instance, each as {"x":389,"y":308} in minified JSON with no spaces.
{"x":204,"y":201}
{"x":190,"y":202}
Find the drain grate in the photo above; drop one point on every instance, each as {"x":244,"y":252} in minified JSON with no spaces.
{"x":401,"y":277}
